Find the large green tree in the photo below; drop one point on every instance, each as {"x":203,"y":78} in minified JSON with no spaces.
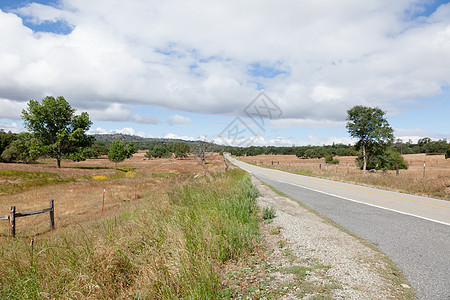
{"x":54,"y":124}
{"x":371,"y":128}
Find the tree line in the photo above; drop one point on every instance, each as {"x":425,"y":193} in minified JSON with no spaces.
{"x":425,"y":145}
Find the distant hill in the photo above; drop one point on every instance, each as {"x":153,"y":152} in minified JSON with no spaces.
{"x":148,"y":143}
{"x":126,"y":138}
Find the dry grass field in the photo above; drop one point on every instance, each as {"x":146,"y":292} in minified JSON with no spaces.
{"x":167,"y":230}
{"x":435,"y":182}
{"x":77,"y":188}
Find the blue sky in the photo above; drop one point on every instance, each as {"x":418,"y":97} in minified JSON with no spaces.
{"x":189,"y":69}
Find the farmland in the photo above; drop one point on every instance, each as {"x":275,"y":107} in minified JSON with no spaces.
{"x":77,"y":187}
{"x":434,"y":182}
{"x":166,"y":229}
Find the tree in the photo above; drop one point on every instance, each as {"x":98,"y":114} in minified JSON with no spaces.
{"x":202,"y":148}
{"x":99,"y":150}
{"x":371,"y":128}
{"x":117,"y":152}
{"x":160,"y":151}
{"x":384,"y":160}
{"x":5,"y":140}
{"x":131,"y":149}
{"x":253,"y":151}
{"x":181,"y":149}
{"x":54,"y":124}
{"x":24,"y":148}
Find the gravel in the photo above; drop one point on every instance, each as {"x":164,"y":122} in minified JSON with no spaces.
{"x":357,"y":270}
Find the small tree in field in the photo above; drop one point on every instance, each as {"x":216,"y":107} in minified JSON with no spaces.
{"x":181,"y":149}
{"x":117,"y":152}
{"x":161,"y":151}
{"x":371,"y":128}
{"x":131,"y":150}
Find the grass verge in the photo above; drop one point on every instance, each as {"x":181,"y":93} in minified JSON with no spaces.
{"x":170,"y":247}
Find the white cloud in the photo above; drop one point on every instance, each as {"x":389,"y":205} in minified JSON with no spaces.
{"x":178,"y":120}
{"x":335,"y":55}
{"x":11,"y":109}
{"x":288,"y":123}
{"x":126,"y":130}
{"x":326,"y":140}
{"x":416,"y":134}
{"x":39,"y":13}
{"x":98,"y":130}
{"x":252,"y":141}
{"x":113,"y":112}
{"x":179,"y":137}
{"x":13,"y":127}
{"x":145,"y":119}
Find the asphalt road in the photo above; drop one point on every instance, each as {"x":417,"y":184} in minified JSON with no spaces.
{"x":413,"y":231}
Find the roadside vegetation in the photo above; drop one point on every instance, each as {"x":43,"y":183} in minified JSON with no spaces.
{"x":164,"y":246}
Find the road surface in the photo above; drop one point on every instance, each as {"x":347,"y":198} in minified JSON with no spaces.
{"x":413,"y":231}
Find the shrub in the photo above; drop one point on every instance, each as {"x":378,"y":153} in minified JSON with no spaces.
{"x":117,"y":152}
{"x":268,"y":213}
{"x":386,"y":160}
{"x":161,"y":151}
{"x":329,"y":159}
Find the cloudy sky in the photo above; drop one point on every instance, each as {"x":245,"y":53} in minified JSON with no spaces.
{"x":190,"y":69}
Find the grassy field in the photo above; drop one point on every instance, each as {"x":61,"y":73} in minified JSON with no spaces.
{"x":168,"y":228}
{"x":77,"y":188}
{"x":434,"y":182}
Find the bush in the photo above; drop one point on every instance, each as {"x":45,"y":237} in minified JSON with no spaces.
{"x":148,"y":154}
{"x":447,"y":154}
{"x":329,"y":159}
{"x":160,"y":151}
{"x":268,"y":213}
{"x":387,"y":160}
{"x":181,"y":149}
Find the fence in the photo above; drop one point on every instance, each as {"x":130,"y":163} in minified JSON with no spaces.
{"x":13,"y":215}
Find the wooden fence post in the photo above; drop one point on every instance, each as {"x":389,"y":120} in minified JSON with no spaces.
{"x":52,"y":215}
{"x":12,"y":221}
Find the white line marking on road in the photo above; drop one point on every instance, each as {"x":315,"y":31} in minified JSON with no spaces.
{"x":360,"y":202}
{"x":345,"y":198}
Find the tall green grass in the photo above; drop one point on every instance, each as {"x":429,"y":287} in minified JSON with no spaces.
{"x":167,"y":248}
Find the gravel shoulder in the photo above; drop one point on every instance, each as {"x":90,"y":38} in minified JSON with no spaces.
{"x":307,"y":256}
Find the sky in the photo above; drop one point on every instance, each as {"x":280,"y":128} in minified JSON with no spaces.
{"x":252,"y":72}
